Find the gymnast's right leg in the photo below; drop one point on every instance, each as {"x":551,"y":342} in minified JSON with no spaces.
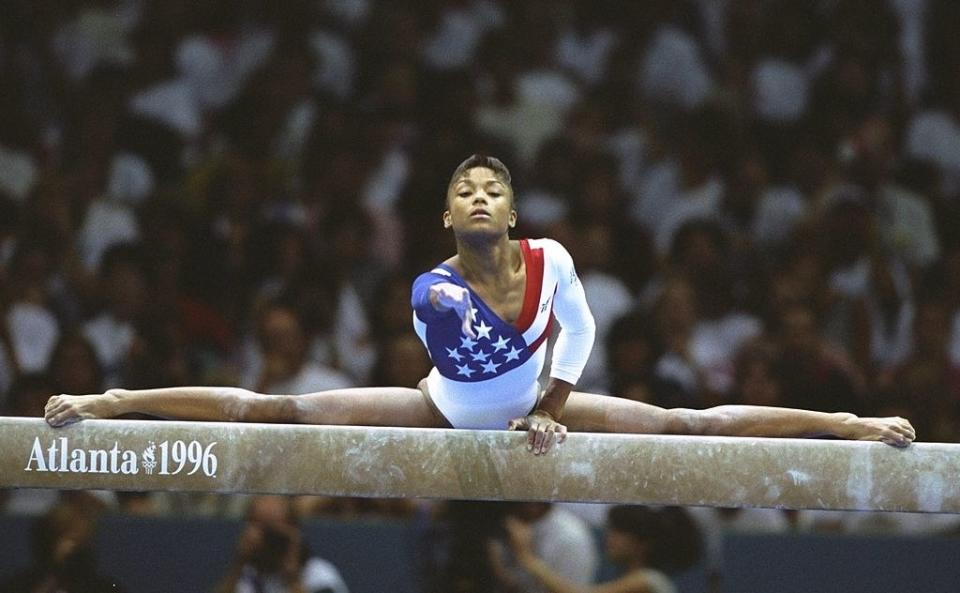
{"x":368,"y":406}
{"x":374,"y":406}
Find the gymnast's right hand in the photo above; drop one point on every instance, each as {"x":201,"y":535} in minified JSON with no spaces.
{"x":446,"y":296}
{"x":63,"y":409}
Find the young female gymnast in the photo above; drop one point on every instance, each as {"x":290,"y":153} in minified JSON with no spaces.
{"x":484,"y":316}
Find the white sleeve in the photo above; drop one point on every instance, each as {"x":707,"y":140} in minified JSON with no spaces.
{"x":570,"y":308}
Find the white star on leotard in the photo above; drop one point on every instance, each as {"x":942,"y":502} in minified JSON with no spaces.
{"x":466,"y":342}
{"x":500,"y":344}
{"x":464,"y":370}
{"x":452,"y":353}
{"x":514,"y":354}
{"x":480,"y":356}
{"x":483,"y":330}
{"x":490,"y":367}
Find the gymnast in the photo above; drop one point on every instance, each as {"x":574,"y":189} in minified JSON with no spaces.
{"x":484,"y":315}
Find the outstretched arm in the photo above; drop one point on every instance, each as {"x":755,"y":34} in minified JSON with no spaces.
{"x":224,"y":404}
{"x":434,"y":295}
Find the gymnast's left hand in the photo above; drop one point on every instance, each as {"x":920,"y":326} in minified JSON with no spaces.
{"x":542,"y":431}
{"x":66,"y":409}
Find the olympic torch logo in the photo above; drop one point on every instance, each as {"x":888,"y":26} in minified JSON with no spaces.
{"x":149,"y":458}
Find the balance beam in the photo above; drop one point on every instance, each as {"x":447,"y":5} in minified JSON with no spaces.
{"x":147,"y":455}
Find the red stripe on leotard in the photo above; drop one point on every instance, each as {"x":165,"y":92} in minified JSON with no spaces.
{"x":533,"y":258}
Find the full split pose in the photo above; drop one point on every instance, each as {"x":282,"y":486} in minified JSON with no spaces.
{"x":484,"y":316}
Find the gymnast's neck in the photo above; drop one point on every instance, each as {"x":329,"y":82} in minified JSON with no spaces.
{"x":485,"y":259}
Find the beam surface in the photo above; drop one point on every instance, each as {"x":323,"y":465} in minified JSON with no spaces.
{"x":479,"y":465}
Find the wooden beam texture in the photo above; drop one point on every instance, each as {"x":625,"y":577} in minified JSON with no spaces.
{"x":479,"y":465}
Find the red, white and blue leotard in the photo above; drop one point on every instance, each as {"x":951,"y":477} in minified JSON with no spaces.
{"x":486,"y":381}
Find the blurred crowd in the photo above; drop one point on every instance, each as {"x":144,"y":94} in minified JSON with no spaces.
{"x":762,"y":197}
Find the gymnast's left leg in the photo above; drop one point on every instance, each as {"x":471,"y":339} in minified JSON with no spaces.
{"x":588,"y":412}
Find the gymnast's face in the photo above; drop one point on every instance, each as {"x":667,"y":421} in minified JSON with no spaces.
{"x":479,"y":202}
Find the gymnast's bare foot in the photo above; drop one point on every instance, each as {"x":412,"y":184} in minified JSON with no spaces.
{"x":66,"y":409}
{"x":894,"y":431}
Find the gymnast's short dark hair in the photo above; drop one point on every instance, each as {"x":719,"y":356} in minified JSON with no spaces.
{"x":485,"y":161}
